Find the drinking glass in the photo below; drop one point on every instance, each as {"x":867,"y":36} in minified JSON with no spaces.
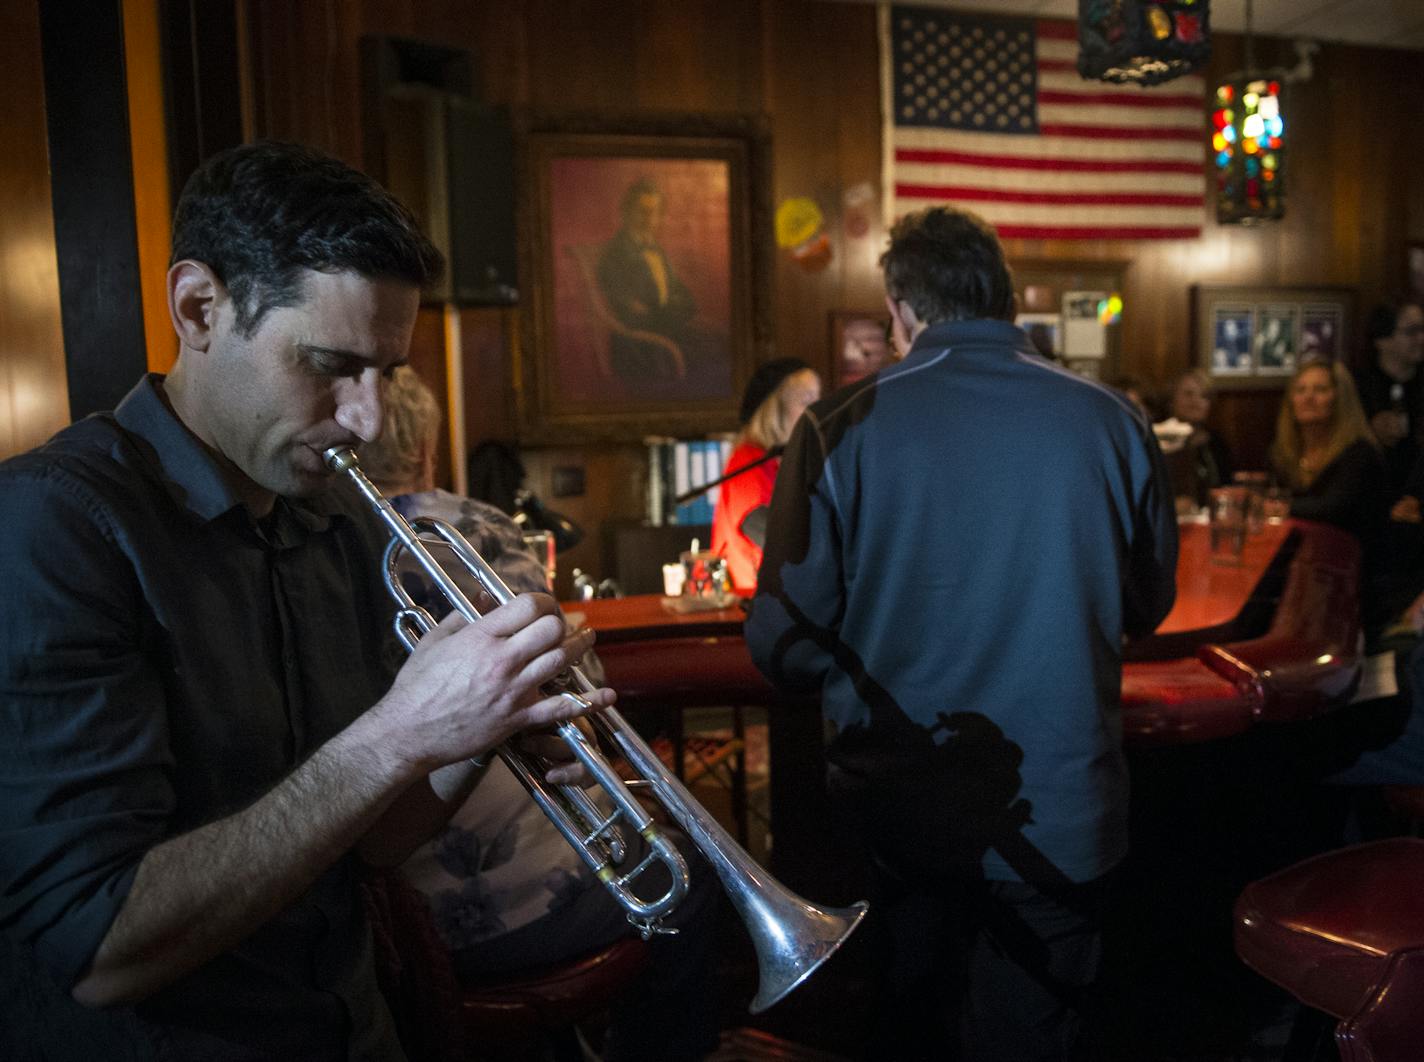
{"x":1255,"y":484}
{"x":1276,"y":505}
{"x":1228,"y":523}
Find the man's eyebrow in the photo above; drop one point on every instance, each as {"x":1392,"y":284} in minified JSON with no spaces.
{"x":314,"y":348}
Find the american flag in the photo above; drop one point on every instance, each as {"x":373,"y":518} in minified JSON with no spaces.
{"x":990,"y":114}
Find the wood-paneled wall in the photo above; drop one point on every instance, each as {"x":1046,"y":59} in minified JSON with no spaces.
{"x":1356,"y":155}
{"x":34,"y":397}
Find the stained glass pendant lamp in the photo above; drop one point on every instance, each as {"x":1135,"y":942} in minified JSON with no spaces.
{"x":1142,"y":42}
{"x":1248,"y":143}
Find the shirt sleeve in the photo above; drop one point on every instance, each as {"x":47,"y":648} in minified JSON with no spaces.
{"x":85,"y":789}
{"x":795,"y":617}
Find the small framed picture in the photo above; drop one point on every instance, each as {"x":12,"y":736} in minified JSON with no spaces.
{"x":1274,"y":345}
{"x":1320,"y":332}
{"x":1231,"y":331}
{"x":1256,"y":337}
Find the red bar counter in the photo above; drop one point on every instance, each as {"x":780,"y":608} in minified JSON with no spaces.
{"x":1273,"y":638}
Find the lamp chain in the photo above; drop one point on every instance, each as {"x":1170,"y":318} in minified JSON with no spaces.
{"x":1250,"y":57}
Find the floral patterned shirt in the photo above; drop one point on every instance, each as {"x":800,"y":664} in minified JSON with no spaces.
{"x":499,"y":864}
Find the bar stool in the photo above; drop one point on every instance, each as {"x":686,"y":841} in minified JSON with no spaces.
{"x":1344,"y":933}
{"x":440,"y":1019}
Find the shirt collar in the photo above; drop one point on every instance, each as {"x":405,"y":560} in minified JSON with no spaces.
{"x":981,"y":331}
{"x":189,"y":472}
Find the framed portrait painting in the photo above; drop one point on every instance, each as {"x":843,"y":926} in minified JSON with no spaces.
{"x":1254,"y":337}
{"x":645,"y":268}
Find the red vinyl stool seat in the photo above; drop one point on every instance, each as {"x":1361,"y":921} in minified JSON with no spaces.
{"x":1344,"y":933}
{"x":554,"y":998}
{"x":442,"y":1019}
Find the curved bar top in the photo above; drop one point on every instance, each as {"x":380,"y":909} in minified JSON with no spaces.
{"x":1275,"y":637}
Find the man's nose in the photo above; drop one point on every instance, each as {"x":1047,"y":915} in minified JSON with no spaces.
{"x":359,"y":408}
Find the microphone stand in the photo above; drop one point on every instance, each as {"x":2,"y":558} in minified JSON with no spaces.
{"x":688,"y":495}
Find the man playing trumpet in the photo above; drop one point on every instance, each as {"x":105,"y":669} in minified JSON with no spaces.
{"x":200,"y":732}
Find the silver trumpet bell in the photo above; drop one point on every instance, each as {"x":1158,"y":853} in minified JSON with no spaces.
{"x":792,"y":937}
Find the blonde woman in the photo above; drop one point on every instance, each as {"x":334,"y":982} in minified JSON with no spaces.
{"x":776,"y":396}
{"x":1325,"y":453}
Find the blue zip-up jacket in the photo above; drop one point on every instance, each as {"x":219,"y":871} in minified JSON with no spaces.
{"x":956,"y":549}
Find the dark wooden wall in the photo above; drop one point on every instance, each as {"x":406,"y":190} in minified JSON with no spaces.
{"x":1356,"y":196}
{"x":34,"y":396}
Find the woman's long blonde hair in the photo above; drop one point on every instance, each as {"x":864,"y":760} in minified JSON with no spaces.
{"x":1347,"y":425}
{"x":771,"y":425}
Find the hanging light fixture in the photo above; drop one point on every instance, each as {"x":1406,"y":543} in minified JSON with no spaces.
{"x":1142,"y":42}
{"x":1248,"y":142}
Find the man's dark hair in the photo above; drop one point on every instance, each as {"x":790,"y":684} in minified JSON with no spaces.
{"x":1384,"y":319}
{"x":260,"y":214}
{"x":948,"y":265}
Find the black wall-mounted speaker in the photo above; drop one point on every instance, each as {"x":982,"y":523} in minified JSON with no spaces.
{"x":447,"y":156}
{"x":480,"y":187}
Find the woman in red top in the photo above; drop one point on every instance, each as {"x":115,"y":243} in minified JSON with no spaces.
{"x":776,"y":396}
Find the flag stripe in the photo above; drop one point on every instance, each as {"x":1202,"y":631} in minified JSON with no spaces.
{"x":1185,"y":103}
{"x":1072,"y":165}
{"x":1002,"y":123}
{"x":1189,"y":91}
{"x":1188,"y":123}
{"x":1108,"y":132}
{"x":1057,"y":30}
{"x":1097,"y":232}
{"x":1066,"y":147}
{"x":1085,"y":214}
{"x":1008,"y":195}
{"x":1049,"y":179}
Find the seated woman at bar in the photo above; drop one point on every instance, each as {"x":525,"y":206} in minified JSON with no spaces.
{"x":1325,"y":453}
{"x":776,"y":396}
{"x":1204,"y":461}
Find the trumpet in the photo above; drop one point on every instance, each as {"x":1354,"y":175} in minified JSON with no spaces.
{"x":792,"y":936}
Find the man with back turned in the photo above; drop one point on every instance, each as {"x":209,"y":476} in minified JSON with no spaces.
{"x":200,"y":735}
{"x":957,"y":546}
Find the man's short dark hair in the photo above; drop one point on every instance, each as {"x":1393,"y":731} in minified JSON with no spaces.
{"x":260,"y":214}
{"x":948,"y":265}
{"x":1383,"y":319}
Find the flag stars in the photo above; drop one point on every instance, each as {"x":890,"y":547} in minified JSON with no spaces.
{"x":964,"y":72}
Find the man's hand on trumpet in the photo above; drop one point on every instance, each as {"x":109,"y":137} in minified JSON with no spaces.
{"x":470,"y":687}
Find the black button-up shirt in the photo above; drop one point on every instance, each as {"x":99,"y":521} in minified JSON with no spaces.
{"x":166,"y":661}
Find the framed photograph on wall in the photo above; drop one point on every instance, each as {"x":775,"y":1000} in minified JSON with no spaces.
{"x":1320,"y":328}
{"x":1274,"y":345}
{"x":642,"y":254}
{"x":860,"y":345}
{"x":1253,"y":337}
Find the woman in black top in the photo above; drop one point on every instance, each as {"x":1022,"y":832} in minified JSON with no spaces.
{"x":1325,"y":453}
{"x":1204,"y":461}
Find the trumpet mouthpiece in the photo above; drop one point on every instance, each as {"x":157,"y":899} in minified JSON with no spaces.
{"x":340,"y":458}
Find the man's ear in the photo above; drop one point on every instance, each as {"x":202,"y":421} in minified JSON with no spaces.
{"x":193,"y":296}
{"x":902,"y":324}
